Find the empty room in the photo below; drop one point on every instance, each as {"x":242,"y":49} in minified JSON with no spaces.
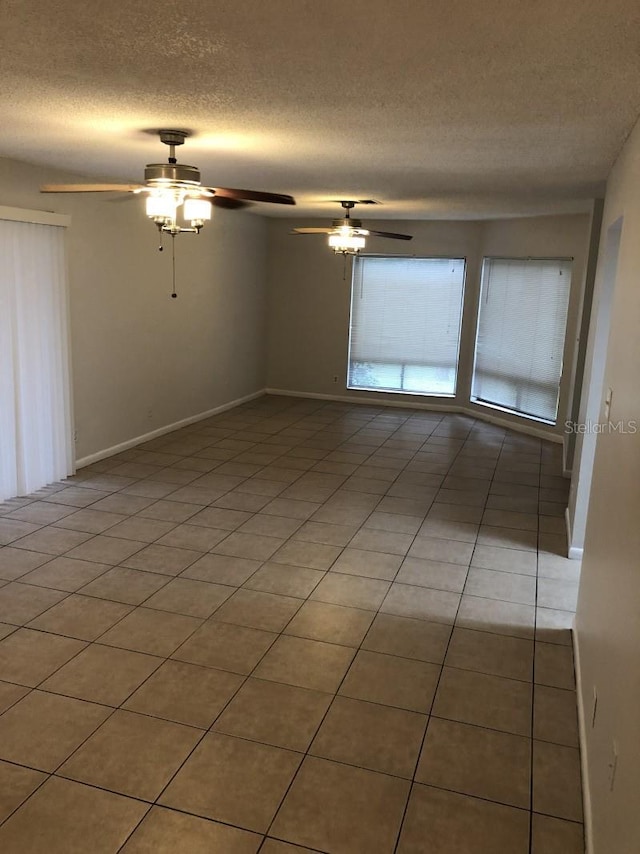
{"x":319,"y":411}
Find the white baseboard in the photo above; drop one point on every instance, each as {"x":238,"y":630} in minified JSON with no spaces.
{"x":582,"y":735}
{"x":168,"y":428}
{"x":575,"y":552}
{"x":453,"y":408}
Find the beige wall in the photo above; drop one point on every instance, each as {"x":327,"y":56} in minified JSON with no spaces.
{"x":140,"y":359}
{"x":608,"y":618}
{"x":309,"y":294}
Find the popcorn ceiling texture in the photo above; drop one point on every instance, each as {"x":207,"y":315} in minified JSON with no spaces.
{"x":451,"y":108}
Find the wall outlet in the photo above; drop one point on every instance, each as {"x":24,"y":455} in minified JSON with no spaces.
{"x":594,"y":708}
{"x":607,"y":403}
{"x":335,"y":379}
{"x":75,"y":435}
{"x":150,"y":414}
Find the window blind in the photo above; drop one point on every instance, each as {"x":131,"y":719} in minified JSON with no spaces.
{"x":405,"y":324}
{"x":520,"y":335}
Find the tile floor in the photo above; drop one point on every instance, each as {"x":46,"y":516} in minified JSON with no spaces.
{"x":296,"y":626}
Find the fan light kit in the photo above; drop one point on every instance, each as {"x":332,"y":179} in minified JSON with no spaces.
{"x":346,"y":235}
{"x":173,"y":186}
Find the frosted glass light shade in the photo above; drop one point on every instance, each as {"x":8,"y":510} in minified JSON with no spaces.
{"x":346,"y":242}
{"x":161,"y":206}
{"x":197,"y":209}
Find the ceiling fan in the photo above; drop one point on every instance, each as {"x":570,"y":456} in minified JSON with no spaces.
{"x":346,"y":235}
{"x":172,"y":185}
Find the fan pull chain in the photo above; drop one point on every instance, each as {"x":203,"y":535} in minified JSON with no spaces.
{"x":161,"y":247}
{"x":174,"y":295}
{"x":344,"y":265}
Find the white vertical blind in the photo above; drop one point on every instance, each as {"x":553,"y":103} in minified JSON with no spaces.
{"x":520,"y":336}
{"x":35,"y":414}
{"x":405,"y":324}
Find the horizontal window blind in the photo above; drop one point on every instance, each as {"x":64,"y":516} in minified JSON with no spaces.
{"x":405,"y":324}
{"x":520,"y":335}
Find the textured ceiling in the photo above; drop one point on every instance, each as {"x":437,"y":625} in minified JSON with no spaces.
{"x":437,"y":108}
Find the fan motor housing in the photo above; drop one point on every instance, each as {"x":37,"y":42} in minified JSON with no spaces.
{"x":174,"y":172}
{"x":349,"y":222}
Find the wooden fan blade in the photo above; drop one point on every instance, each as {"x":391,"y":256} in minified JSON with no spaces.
{"x":91,"y":188}
{"x":226,"y":202}
{"x":311,"y":231}
{"x":392,"y":235}
{"x":253,"y":195}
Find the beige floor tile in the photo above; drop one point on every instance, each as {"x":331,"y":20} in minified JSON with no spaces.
{"x":192,"y":537}
{"x":305,"y":663}
{"x":508,"y":538}
{"x":164,"y":560}
{"x":140,"y":529}
{"x":456,"y":513}
{"x":104,"y":549}
{"x":557,"y":789}
{"x":489,"y":653}
{"x":125,"y":504}
{"x":64,"y":817}
{"x":51,"y":540}
{"x":222,"y":569}
{"x":506,"y":586}
{"x":504,"y":560}
{"x":153,"y":632}
{"x":553,"y":626}
{"x":326,"y":533}
{"x":382,"y":541}
{"x":484,"y":700}
{"x":510,"y":519}
{"x":16,"y":784}
{"x":165,"y":831}
{"x":226,"y":646}
{"x":102,"y":674}
{"x":20,"y":603}
{"x":10,"y":694}
{"x":331,"y":623}
{"x":219,"y":517}
{"x":391,"y":681}
{"x":449,"y":529}
{"x":11,"y":530}
{"x":168,"y":510}
{"x":555,"y":717}
{"x":189,"y":597}
{"x":395,"y":523}
{"x":432,"y":573}
{"x":267,"y":525}
{"x":237,"y":500}
{"x":338,"y":808}
{"x":273,"y":713}
{"x":423,"y":603}
{"x":234,"y":781}
{"x":132,"y":754}
{"x":297,"y":581}
{"x":43,"y":729}
{"x":408,"y":638}
{"x":449,"y":551}
{"x":369,"y":735}
{"x":267,"y":611}
{"x":458,"y":824}
{"x":63,"y":573}
{"x":252,"y":546}
{"x":494,"y":615}
{"x":185,"y":693}
{"x":555,"y":836}
{"x":129,"y":586}
{"x":351,"y":590}
{"x":371,"y":564}
{"x":27,"y":657}
{"x":288,"y":507}
{"x":492,"y":765}
{"x":81,"y":617}
{"x":313,"y":555}
{"x":554,"y":666}
{"x":558,"y":594}
{"x":275,"y":846}
{"x":16,"y":563}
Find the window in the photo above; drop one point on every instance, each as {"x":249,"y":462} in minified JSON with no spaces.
{"x":35,"y":414}
{"x":405,"y":324}
{"x":520,"y":335}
